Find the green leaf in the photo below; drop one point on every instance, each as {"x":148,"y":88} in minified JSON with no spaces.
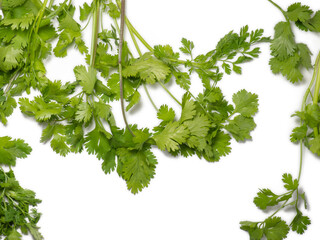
{"x":315,"y":145}
{"x":22,"y":23}
{"x":305,"y":55}
{"x":109,"y":162}
{"x":187,"y":46}
{"x":85,"y":11}
{"x":41,"y":110}
{"x":188,"y":110}
{"x":240,"y":128}
{"x":265,"y":198}
{"x":10,"y":57}
{"x":300,"y":223}
{"x":138,"y":167}
{"x":166,"y":114}
{"x":252,"y":228}
{"x":312,"y":115}
{"x":134,"y":99}
{"x":246,"y":103}
{"x":288,"y":67}
{"x":298,"y":12}
{"x":10,"y":150}
{"x":171,"y":136}
{"x":182,"y":79}
{"x":14,"y":235}
{"x":98,"y":143}
{"x":276,"y":229}
{"x":113,"y":10}
{"x":86,"y":78}
{"x":283,"y":44}
{"x":299,"y":133}
{"x":289,"y":182}
{"x":84,"y":112}
{"x":148,"y":68}
{"x":166,"y":54}
{"x":10,"y":4}
{"x":34,"y":231}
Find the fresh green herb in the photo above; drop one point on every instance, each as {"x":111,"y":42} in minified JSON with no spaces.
{"x":17,"y":213}
{"x":289,"y":58}
{"x":207,"y":121}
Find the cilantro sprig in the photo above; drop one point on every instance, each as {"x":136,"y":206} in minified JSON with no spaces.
{"x":289,"y":58}
{"x":78,"y":116}
{"x":18,"y":214}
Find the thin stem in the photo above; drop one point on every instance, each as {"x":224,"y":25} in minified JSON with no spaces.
{"x":50,"y":4}
{"x":301,"y":160}
{"x":148,"y":94}
{"x":316,"y":94}
{"x":94,"y":37}
{"x":134,"y":40}
{"x":142,"y":40}
{"x":282,"y":11}
{"x":14,"y":77}
{"x":41,"y":15}
{"x":122,"y":21}
{"x":167,"y":90}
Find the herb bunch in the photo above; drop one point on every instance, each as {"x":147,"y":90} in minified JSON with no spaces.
{"x":78,"y":116}
{"x":18,"y":214}
{"x":26,"y":32}
{"x":290,"y":58}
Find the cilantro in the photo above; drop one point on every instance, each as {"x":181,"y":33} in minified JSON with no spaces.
{"x":17,"y":211}
{"x":148,"y":69}
{"x":10,"y":150}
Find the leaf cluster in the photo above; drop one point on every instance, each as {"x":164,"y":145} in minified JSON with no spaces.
{"x":18,"y":214}
{"x":289,"y":58}
{"x":274,"y":228}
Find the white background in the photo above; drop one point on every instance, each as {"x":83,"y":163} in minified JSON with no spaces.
{"x":188,"y":198}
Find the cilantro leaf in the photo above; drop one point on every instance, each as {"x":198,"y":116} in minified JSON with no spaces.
{"x":98,"y":143}
{"x":276,"y":228}
{"x":299,"y":133}
{"x":87,"y":78}
{"x":315,"y":145}
{"x":22,"y":23}
{"x":41,"y":110}
{"x":187,"y":46}
{"x":84,"y":112}
{"x":85,"y":11}
{"x":299,"y":12}
{"x":265,"y":198}
{"x":166,"y":114}
{"x":147,"y":68}
{"x":290,"y":184}
{"x":172,"y":135}
{"x":283,"y":44}
{"x":240,"y":127}
{"x":10,"y":150}
{"x":300,"y":223}
{"x":246,"y":103}
{"x":137,"y":167}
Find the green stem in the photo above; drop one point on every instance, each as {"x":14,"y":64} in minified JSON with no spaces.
{"x":281,"y":10}
{"x":316,"y":93}
{"x":50,"y":4}
{"x":142,"y":40}
{"x":122,"y":23}
{"x":167,"y":90}
{"x":14,"y":77}
{"x":40,"y":15}
{"x":140,"y":54}
{"x":95,"y":31}
{"x":148,"y":94}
